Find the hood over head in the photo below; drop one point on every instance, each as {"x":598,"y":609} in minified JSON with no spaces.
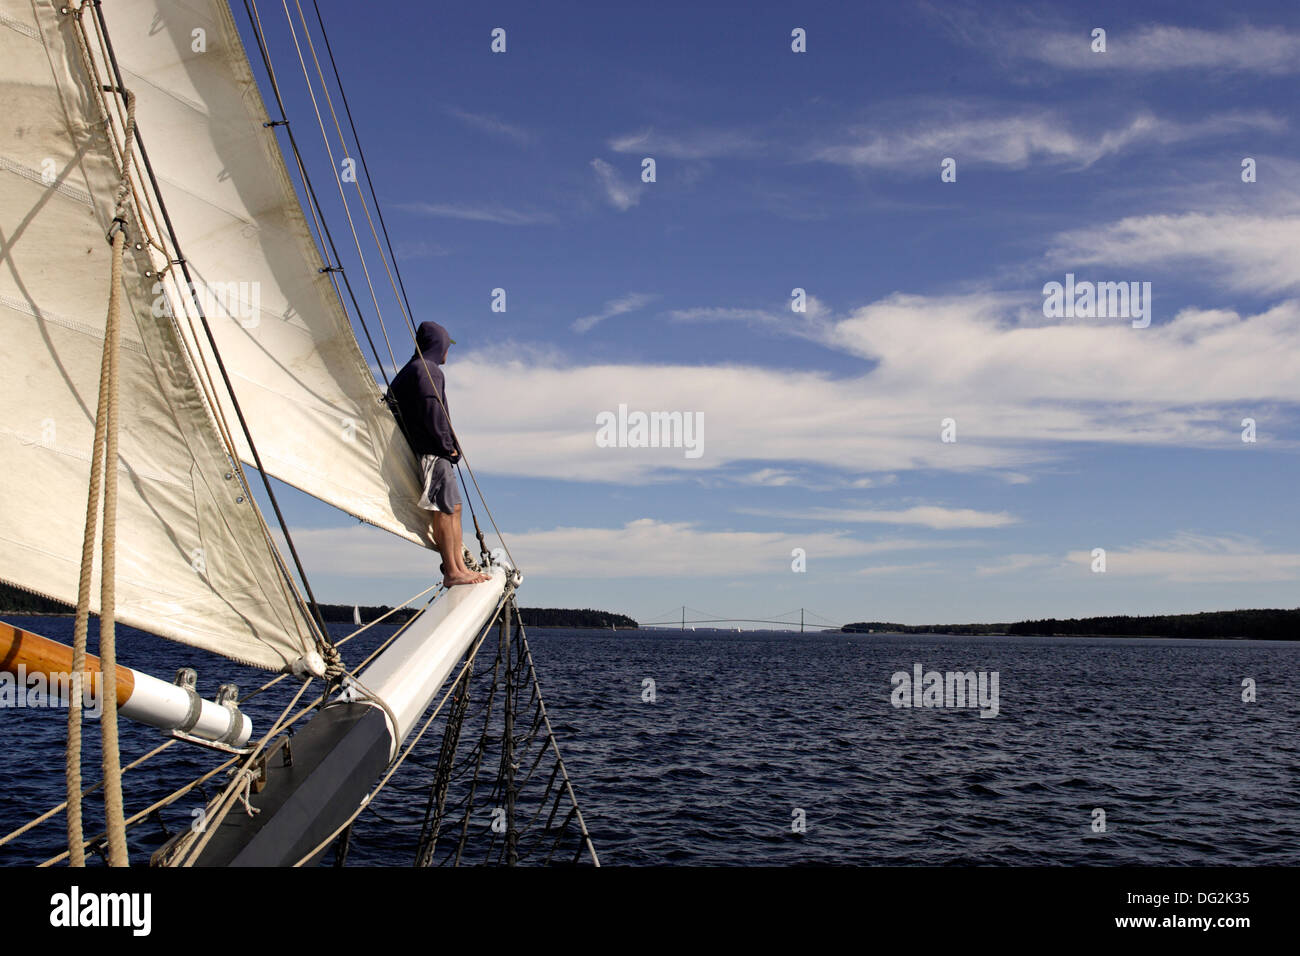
{"x":432,"y":340}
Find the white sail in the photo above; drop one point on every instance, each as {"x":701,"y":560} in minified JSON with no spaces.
{"x":312,"y":404}
{"x":193,"y":560}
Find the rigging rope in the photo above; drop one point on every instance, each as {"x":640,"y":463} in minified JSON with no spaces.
{"x":104,"y":456}
{"x":108,"y":552}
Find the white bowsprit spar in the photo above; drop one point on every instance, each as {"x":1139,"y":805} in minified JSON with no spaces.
{"x":307,"y":800}
{"x":138,"y":156}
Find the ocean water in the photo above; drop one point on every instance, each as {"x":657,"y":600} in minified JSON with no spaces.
{"x":761,"y":749}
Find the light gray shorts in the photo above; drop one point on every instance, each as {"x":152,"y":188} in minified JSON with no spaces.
{"x":441,"y":491}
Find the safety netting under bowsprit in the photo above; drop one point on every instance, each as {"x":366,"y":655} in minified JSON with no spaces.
{"x":495,"y":790}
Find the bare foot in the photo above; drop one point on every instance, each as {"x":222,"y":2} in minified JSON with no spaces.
{"x":462,"y":577}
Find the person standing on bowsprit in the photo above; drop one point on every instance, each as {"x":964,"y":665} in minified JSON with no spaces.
{"x":419,"y":394}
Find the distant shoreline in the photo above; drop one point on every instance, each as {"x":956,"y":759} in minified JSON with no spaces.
{"x":830,"y":632}
{"x":1255,"y":624}
{"x":1249,"y":624}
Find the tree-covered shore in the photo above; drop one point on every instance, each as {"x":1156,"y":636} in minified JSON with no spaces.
{"x":1264,"y":624}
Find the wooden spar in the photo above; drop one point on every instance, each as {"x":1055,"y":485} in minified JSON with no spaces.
{"x":139,"y":696}
{"x":40,"y":655}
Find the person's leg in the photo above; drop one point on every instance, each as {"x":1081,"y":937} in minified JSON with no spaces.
{"x":460,"y":552}
{"x":446,"y":535}
{"x":443,"y":496}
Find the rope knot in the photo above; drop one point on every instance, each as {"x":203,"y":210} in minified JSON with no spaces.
{"x":334,"y":669}
{"x":245,"y":784}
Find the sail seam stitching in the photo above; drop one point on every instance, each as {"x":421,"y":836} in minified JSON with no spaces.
{"x":26,"y":308}
{"x":29,"y":441}
{"x":26,"y":172}
{"x":194,"y":105}
{"x":20,"y":27}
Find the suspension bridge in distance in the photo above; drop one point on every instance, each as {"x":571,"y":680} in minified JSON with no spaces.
{"x":784,"y":620}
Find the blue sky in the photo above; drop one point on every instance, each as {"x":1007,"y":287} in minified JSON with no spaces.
{"x":821,"y":170}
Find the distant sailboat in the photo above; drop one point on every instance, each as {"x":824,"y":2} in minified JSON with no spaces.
{"x":356,"y":615}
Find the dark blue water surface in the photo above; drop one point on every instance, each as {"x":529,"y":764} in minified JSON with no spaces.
{"x":746,"y":730}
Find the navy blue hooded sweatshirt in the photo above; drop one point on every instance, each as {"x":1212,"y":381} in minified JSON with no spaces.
{"x":416,"y":391}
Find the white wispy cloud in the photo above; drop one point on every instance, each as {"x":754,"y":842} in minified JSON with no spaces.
{"x":491,"y":125}
{"x":479,"y":213}
{"x":1199,"y":559}
{"x":721,"y":314}
{"x":689,"y":145}
{"x":919,"y":567}
{"x":910,"y":135}
{"x":1157,"y":48}
{"x":971,"y":133}
{"x":620,"y":195}
{"x":770,"y":478}
{"x":1037,"y":35}
{"x":929,"y":516}
{"x":815,"y":310}
{"x":874,"y":482}
{"x":1016,"y":563}
{"x":628,"y":303}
